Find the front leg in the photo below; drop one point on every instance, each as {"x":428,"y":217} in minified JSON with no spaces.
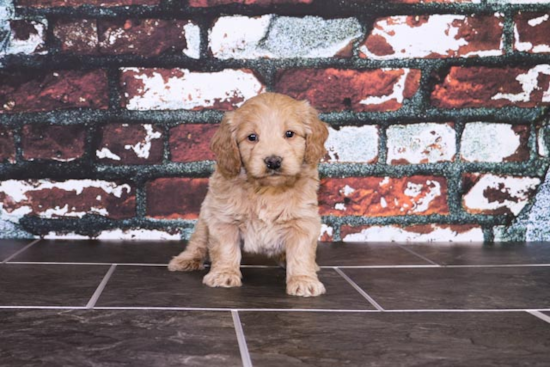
{"x":225,"y":253}
{"x":301,"y":269}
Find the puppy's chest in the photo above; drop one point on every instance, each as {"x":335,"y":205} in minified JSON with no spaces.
{"x":264,"y":226}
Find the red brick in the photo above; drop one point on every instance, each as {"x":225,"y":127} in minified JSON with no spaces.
{"x":130,"y":144}
{"x":72,"y":198}
{"x":210,"y":3}
{"x":53,"y":142}
{"x":338,"y":90}
{"x":449,"y":35}
{"x":7,"y":146}
{"x":379,"y":196}
{"x":64,"y":89}
{"x":531,"y":32}
{"x":494,"y":87}
{"x":76,"y":3}
{"x":176,"y":198}
{"x":191,"y":142}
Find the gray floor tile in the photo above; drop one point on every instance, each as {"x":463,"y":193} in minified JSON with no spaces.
{"x":147,"y":252}
{"x":10,"y":247}
{"x":262,"y":288}
{"x":388,"y":339}
{"x":488,"y":254}
{"x":361,"y":254}
{"x":117,"y":338}
{"x":456,"y":288}
{"x":49,"y":285}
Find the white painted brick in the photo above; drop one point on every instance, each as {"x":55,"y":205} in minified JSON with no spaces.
{"x":437,"y":36}
{"x":353,"y":144}
{"x":34,"y":44}
{"x":436,"y":233}
{"x":118,"y":234}
{"x":518,"y":1}
{"x":529,"y":83}
{"x":19,"y":201}
{"x":174,"y":89}
{"x":240,"y":37}
{"x":513,"y":192}
{"x":542,"y":147}
{"x":488,"y":142}
{"x":421,"y":143}
{"x":193,"y":40}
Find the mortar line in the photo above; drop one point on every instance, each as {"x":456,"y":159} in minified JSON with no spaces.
{"x":418,"y":255}
{"x":100,"y":288}
{"x":20,"y":251}
{"x":359,"y":289}
{"x":540,"y":315}
{"x":243,"y":348}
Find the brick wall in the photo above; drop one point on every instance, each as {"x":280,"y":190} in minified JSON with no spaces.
{"x":438,"y":112}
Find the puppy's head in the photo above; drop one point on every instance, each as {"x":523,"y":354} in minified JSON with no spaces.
{"x":273,"y":136}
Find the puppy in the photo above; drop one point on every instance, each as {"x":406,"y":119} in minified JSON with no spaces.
{"x":262,"y":194}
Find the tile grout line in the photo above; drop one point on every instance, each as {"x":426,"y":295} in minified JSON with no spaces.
{"x":540,"y":315}
{"x":291,"y":310}
{"x":243,"y":348}
{"x":418,"y":255}
{"x":100,"y":287}
{"x":277,"y":267}
{"x":20,"y":251}
{"x":359,"y":289}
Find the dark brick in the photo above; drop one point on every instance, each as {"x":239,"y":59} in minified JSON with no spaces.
{"x":31,"y":92}
{"x":146,"y":37}
{"x":176,"y":198}
{"x":7,"y":146}
{"x":531,"y":32}
{"x":190,"y":142}
{"x":76,"y":3}
{"x":60,"y":143}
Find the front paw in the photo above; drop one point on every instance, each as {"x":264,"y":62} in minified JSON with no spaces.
{"x":304,"y":286}
{"x":226,"y":279}
{"x":183,"y":263}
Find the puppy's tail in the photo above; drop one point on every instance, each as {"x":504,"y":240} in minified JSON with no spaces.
{"x":195,"y":253}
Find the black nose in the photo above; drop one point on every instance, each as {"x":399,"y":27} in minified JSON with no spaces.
{"x":273,"y":162}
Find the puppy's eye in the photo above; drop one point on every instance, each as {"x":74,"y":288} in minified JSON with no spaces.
{"x":289,"y":134}
{"x":252,"y":137}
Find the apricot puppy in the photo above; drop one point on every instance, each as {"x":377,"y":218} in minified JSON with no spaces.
{"x":262,"y":195}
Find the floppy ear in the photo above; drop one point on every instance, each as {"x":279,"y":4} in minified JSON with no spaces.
{"x":317,"y":134}
{"x":224,"y":146}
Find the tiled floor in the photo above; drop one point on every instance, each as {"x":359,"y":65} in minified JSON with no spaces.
{"x":85,"y":303}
